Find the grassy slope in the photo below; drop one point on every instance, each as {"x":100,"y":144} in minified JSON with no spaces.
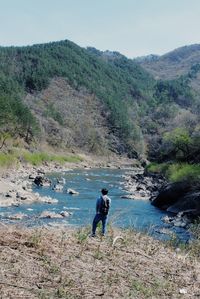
{"x":45,"y":263}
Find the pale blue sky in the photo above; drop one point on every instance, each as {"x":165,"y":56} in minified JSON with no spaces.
{"x":132,"y":27}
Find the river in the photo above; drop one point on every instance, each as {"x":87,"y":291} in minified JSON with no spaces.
{"x":124,"y":213}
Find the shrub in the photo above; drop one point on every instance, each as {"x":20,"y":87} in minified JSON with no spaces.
{"x":7,"y":160}
{"x":176,"y":172}
{"x":157,"y":168}
{"x":179,"y":172}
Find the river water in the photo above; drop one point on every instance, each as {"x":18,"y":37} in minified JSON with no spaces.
{"x":124,"y":213}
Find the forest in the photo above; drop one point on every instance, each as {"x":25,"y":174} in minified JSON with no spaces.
{"x":158,"y":119}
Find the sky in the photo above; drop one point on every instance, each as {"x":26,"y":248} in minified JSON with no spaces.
{"x":131,"y":27}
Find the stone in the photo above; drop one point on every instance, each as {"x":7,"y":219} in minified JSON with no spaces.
{"x":167,"y":219}
{"x":143,"y":194}
{"x":57,"y":187}
{"x":18,"y":216}
{"x":183,"y":291}
{"x":9,"y":194}
{"x":72,"y":192}
{"x":38,"y":180}
{"x":26,"y":185}
{"x":22,"y":196}
{"x":31,"y":176}
{"x":48,"y":214}
{"x":61,"y":181}
{"x":128,"y":196}
{"x":15,"y":204}
{"x":42,"y":181}
{"x":65,"y":214}
{"x":47,"y":199}
{"x":141,"y":187}
{"x":179,"y":223}
{"x":40,"y":171}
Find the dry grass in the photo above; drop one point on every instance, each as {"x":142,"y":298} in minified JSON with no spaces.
{"x":50,"y":263}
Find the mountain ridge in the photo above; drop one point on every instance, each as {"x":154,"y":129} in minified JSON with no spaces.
{"x":172,"y":64}
{"x":31,"y":69}
{"x":132,"y":109}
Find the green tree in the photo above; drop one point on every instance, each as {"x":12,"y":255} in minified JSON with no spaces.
{"x":178,"y":143}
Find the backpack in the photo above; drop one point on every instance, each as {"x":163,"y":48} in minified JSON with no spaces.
{"x":104,"y":207}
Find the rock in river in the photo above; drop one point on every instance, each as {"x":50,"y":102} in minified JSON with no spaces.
{"x":48,"y":214}
{"x":18,"y":216}
{"x":72,"y":192}
{"x":170,"y":194}
{"x":179,"y":197}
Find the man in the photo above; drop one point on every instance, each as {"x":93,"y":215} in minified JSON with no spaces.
{"x":102,"y":208}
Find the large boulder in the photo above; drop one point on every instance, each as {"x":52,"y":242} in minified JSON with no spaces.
{"x":39,"y":180}
{"x":189,"y":203}
{"x":179,"y":197}
{"x":170,"y":194}
{"x":42,"y":181}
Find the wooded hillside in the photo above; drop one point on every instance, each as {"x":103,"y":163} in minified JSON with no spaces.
{"x":96,"y":101}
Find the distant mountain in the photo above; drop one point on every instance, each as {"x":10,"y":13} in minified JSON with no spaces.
{"x":106,"y":54}
{"x":180,"y":67}
{"x":173,"y":64}
{"x":147,"y":58}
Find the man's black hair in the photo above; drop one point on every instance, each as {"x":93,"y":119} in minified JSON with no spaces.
{"x":104,"y":191}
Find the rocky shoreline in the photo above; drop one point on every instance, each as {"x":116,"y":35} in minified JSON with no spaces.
{"x":141,"y":185}
{"x":16,"y":184}
{"x":180,"y":199}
